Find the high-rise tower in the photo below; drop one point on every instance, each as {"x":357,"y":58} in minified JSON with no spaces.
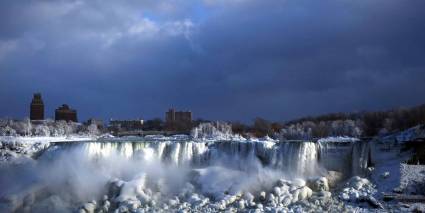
{"x":37,"y":108}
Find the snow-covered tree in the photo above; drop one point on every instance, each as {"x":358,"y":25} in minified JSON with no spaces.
{"x":7,"y":131}
{"x":92,"y":129}
{"x":42,"y":130}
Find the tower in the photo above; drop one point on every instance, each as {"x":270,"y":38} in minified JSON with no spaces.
{"x":37,"y":107}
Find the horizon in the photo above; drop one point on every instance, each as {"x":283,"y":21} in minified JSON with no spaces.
{"x":50,"y":116}
{"x":222,"y":60}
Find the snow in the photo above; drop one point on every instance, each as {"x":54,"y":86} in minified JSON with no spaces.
{"x":404,"y":136}
{"x":412,"y":179}
{"x":339,"y":139}
{"x":14,"y":148}
{"x":357,"y":188}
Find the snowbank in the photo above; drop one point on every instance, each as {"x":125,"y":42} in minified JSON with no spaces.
{"x":412,"y":179}
{"x":14,"y":148}
{"x":405,"y":136}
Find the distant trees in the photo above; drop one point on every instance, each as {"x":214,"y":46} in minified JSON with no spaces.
{"x":25,"y":127}
{"x":309,"y":129}
{"x":262,"y":127}
{"x":354,"y":124}
{"x":92,"y":129}
{"x":239,"y":128}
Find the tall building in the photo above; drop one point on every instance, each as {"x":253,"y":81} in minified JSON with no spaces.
{"x":178,"y":120}
{"x":37,"y":108}
{"x":65,"y":113}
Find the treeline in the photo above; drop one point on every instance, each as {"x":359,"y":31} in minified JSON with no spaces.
{"x":374,"y":123}
{"x":359,"y":124}
{"x":9,"y":127}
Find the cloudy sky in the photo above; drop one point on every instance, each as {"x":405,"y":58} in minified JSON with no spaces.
{"x":221,"y":59}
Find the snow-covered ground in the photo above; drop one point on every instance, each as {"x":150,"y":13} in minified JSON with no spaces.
{"x":406,"y":135}
{"x":14,"y":148}
{"x":412,"y":179}
{"x":45,"y":139}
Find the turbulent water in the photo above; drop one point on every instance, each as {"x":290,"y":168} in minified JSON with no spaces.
{"x":151,"y":174}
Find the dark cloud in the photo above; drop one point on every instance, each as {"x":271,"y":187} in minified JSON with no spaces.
{"x":229,"y":60}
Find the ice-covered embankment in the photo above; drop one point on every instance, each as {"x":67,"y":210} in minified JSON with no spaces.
{"x":14,"y":149}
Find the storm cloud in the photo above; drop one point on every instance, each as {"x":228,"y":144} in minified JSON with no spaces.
{"x":232,"y":60}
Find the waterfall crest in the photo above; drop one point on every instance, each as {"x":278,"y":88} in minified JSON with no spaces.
{"x":299,"y":159}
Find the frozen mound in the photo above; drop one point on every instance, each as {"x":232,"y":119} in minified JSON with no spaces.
{"x":14,"y":148}
{"x":359,"y":190}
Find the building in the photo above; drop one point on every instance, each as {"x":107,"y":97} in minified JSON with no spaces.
{"x":65,"y":113}
{"x":125,"y":125}
{"x":178,"y":120}
{"x":37,"y":108}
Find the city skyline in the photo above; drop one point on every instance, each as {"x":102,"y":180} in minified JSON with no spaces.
{"x":224,"y":60}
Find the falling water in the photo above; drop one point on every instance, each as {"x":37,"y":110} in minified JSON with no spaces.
{"x":300,"y":159}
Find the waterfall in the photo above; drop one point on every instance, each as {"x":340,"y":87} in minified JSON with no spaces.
{"x":299,"y":159}
{"x":360,"y":157}
{"x":350,"y":158}
{"x":335,"y":156}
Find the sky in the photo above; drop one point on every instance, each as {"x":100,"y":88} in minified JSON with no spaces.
{"x":221,"y":59}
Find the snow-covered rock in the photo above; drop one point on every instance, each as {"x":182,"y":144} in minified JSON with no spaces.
{"x":412,"y":180}
{"x":318,"y":184}
{"x":359,"y":189}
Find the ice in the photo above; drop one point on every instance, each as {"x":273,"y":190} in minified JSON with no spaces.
{"x":412,"y":179}
{"x":340,"y":139}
